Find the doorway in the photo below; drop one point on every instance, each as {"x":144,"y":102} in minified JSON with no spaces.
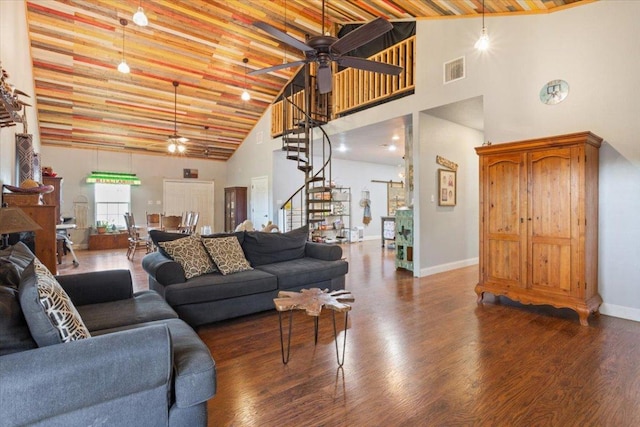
{"x":259,"y":201}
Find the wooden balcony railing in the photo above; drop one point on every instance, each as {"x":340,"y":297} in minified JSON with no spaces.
{"x":354,"y":89}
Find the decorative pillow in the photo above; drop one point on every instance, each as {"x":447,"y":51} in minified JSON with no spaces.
{"x":158,"y":236}
{"x":227,"y":254}
{"x":50,"y":314}
{"x":267,"y":248}
{"x":13,"y":261}
{"x":190,"y":254}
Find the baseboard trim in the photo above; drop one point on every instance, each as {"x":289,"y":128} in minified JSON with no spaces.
{"x":620,"y":311}
{"x":447,"y":267}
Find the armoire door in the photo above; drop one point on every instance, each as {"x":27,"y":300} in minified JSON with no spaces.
{"x":504,"y":248}
{"x":552,"y":219}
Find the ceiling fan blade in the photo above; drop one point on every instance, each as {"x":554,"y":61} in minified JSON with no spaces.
{"x":368,"y":65}
{"x":361,"y":36}
{"x":283,"y":37}
{"x":324,"y":79}
{"x":276,"y":67}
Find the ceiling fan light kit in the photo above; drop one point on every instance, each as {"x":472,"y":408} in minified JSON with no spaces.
{"x":176,"y":143}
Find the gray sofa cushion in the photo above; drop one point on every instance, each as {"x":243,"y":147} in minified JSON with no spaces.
{"x":194,"y":368}
{"x":305,"y":271}
{"x":266,"y":248}
{"x":215,"y":286}
{"x":145,"y":306}
{"x":14,"y":331}
{"x":13,"y":260}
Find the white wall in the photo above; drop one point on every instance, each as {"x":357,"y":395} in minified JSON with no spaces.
{"x":449,"y":234}
{"x":151,"y":169}
{"x":15,"y":55}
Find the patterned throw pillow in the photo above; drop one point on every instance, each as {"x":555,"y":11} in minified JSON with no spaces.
{"x":190,"y":254}
{"x":227,"y":254}
{"x":50,"y":314}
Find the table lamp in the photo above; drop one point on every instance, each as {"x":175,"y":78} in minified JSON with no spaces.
{"x":14,"y":220}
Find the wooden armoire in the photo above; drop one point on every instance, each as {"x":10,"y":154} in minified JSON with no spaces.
{"x":539,"y":222}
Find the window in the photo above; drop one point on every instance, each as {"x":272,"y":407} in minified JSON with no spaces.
{"x":112,"y":202}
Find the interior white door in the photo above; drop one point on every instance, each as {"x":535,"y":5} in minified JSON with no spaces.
{"x":180,"y":195}
{"x":259,"y":201}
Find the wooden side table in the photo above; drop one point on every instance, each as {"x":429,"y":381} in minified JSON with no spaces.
{"x":312,"y":300}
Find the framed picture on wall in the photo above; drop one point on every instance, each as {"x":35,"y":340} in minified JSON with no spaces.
{"x":446,"y":187}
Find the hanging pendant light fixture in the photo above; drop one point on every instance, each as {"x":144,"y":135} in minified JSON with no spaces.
{"x":483,"y":42}
{"x":246,"y":96}
{"x":139,"y":18}
{"x":176,"y":143}
{"x":123,"y":67}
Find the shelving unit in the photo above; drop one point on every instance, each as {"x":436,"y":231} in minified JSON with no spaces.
{"x":336,"y":224}
{"x":404,"y":238}
{"x":388,"y":229}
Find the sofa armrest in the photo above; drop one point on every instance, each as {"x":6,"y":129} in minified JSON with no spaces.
{"x":98,"y":286}
{"x":323,"y":251}
{"x":164,"y":270}
{"x":116,"y":379}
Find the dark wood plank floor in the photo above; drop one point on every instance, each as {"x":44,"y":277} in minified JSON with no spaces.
{"x":420,"y":352}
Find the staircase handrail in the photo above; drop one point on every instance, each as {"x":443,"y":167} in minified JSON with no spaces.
{"x":302,"y":187}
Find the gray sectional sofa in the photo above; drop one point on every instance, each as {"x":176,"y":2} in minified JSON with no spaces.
{"x":279,"y":261}
{"x":141,"y":366}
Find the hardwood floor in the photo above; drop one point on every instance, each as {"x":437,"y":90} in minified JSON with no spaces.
{"x":420,"y":352}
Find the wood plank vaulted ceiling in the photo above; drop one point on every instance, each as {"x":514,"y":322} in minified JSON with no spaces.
{"x":84,"y":102}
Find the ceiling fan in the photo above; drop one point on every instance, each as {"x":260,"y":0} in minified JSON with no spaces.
{"x":324,"y":49}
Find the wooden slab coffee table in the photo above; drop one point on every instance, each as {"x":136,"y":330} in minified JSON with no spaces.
{"x":312,"y":300}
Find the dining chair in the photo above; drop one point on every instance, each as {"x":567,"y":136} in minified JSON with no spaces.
{"x":171,"y":222}
{"x":135,"y":241}
{"x":154,"y":221}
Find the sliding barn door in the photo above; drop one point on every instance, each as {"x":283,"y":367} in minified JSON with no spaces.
{"x":180,"y":195}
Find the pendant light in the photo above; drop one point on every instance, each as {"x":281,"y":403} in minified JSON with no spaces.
{"x":246,"y":96}
{"x":139,"y":18}
{"x":483,"y":42}
{"x":123,"y":67}
{"x":176,"y":143}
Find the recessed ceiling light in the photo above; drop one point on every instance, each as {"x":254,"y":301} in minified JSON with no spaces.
{"x":395,"y":137}
{"x":392,"y":147}
{"x":342,"y":148}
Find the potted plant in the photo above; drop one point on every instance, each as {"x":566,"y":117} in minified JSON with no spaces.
{"x":101,"y":226}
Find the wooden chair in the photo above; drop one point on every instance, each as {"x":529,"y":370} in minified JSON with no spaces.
{"x":154,"y":221}
{"x":135,"y":241}
{"x":171,"y":222}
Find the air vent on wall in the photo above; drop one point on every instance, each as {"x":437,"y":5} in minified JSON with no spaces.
{"x":454,"y":70}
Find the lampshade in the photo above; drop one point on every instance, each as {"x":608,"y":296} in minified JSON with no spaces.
{"x":139,"y":18}
{"x":123,"y":67}
{"x":14,"y":220}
